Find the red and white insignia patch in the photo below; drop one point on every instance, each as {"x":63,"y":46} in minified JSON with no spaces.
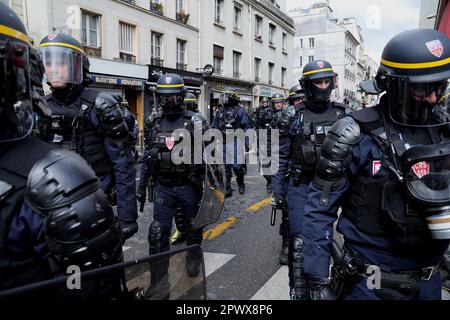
{"x":52,"y":37}
{"x":170,"y":142}
{"x":376,"y":167}
{"x":321,"y":64}
{"x":435,"y":47}
{"x":421,"y":169}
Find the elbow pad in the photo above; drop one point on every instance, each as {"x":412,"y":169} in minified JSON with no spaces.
{"x":336,"y":155}
{"x":79,"y":223}
{"x":111,"y":117}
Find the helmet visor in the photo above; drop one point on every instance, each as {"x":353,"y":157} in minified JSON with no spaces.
{"x":16,"y":112}
{"x":62,"y":66}
{"x":418,"y":104}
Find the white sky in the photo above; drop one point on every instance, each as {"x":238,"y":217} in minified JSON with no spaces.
{"x":395,"y":16}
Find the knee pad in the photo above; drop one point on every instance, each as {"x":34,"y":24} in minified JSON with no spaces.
{"x":296,"y":245}
{"x":155,"y":235}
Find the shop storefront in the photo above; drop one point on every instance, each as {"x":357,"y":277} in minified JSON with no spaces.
{"x":214,"y":87}
{"x":127,"y":79}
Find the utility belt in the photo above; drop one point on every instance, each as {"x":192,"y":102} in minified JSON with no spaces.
{"x":349,"y":267}
{"x":172,"y":180}
{"x":300,"y":176}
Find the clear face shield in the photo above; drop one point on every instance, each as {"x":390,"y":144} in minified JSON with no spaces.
{"x":16,"y":110}
{"x":62,"y":66}
{"x":427,"y":179}
{"x":418,"y":104}
{"x":278,"y":105}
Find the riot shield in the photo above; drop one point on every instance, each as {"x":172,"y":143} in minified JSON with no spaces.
{"x":213,"y":199}
{"x":164,"y":276}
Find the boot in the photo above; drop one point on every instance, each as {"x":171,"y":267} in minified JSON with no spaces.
{"x":241,"y":183}
{"x":297,"y":282}
{"x":193,"y":257}
{"x":159,"y":281}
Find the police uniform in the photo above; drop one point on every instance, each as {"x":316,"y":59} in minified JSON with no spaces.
{"x":386,"y":168}
{"x":175,"y":185}
{"x":90,"y":123}
{"x":232,"y":116}
{"x":299,"y":155}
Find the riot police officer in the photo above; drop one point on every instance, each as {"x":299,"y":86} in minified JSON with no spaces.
{"x":53,"y":213}
{"x":264,"y":103}
{"x":175,"y":185}
{"x":296,"y":96}
{"x":132,"y":124}
{"x":232,"y":116}
{"x":264,"y":122}
{"x":387,"y":168}
{"x":89,"y":122}
{"x":191,"y":102}
{"x":298,"y":157}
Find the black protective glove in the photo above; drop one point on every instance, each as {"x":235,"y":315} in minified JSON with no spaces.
{"x":278,"y":202}
{"x":141,"y":193}
{"x":128,"y":228}
{"x":319,"y":289}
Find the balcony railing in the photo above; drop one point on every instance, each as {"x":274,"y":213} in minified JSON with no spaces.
{"x":257,"y":79}
{"x":127,"y":57}
{"x":236,"y":75}
{"x":157,"y":62}
{"x":182,"y":17}
{"x":270,"y":81}
{"x":218,"y":71}
{"x":182,"y":66}
{"x":156,"y":8}
{"x":237,"y":29}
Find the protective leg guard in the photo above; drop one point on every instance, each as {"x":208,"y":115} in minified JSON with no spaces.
{"x":285,"y":234}
{"x":193,"y":258}
{"x":159,"y":287}
{"x":296,"y":276}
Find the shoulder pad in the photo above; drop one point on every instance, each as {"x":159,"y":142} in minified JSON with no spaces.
{"x":339,"y":105}
{"x":60,"y":178}
{"x":366,"y":115}
{"x":188,"y":114}
{"x":346,"y":130}
{"x":289,"y":112}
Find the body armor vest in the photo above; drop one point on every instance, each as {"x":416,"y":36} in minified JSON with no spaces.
{"x":228,"y":119}
{"x":377,"y":203}
{"x":161,"y":146}
{"x":310,"y":134}
{"x":265,"y":117}
{"x":79,"y":133}
{"x":18,"y":270}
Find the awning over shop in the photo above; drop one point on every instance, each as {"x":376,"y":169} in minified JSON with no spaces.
{"x":110,"y":81}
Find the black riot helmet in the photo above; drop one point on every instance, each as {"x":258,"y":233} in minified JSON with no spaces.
{"x":16,"y":112}
{"x":277,"y":101}
{"x":190,"y":101}
{"x":66,"y":65}
{"x":230,"y":99}
{"x":415,"y":69}
{"x":318,"y":96}
{"x":170,"y":93}
{"x":296,"y":93}
{"x":264,"y":102}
